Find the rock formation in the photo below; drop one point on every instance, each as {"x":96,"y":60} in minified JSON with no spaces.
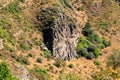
{"x":60,"y":33}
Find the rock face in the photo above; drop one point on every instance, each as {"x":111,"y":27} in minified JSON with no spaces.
{"x":60,"y":33}
{"x":21,"y":72}
{"x":1,"y":44}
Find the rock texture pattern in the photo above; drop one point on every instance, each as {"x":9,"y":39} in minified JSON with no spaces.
{"x":60,"y":33}
{"x":23,"y":72}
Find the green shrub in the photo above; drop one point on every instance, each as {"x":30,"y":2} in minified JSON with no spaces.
{"x":91,"y":48}
{"x":11,"y":49}
{"x":41,"y":74}
{"x":82,"y":52}
{"x":94,"y":38}
{"x":25,"y":47}
{"x":66,"y":3}
{"x":13,"y":8}
{"x":47,"y":53}
{"x":114,"y":59}
{"x":59,"y":63}
{"x":30,"y":55}
{"x":5,"y":23}
{"x":87,"y":30}
{"x":104,"y":25}
{"x":23,"y":60}
{"x":96,"y":52}
{"x":96,"y":62}
{"x":106,"y":74}
{"x":39,"y":60}
{"x":101,"y":46}
{"x":106,"y":43}
{"x":5,"y":73}
{"x":90,"y":45}
{"x":87,"y":49}
{"x":69,"y":76}
{"x":23,"y":1}
{"x":13,"y":55}
{"x":82,"y":43}
{"x":71,"y":65}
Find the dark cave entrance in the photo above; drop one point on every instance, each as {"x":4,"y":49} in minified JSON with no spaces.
{"x":48,"y":38}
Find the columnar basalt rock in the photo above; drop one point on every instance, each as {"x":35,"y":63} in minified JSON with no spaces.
{"x":60,"y":33}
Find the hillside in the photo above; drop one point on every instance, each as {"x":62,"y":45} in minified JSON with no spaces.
{"x":59,"y":40}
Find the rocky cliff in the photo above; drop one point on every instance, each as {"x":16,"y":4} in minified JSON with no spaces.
{"x":60,"y":32}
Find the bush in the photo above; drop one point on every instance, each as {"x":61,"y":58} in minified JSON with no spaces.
{"x":13,"y":55}
{"x":5,"y":73}
{"x":11,"y":49}
{"x":69,"y":76}
{"x":47,"y":53}
{"x":106,"y":74}
{"x":13,"y":7}
{"x":23,"y":1}
{"x":96,"y":62}
{"x":23,"y":60}
{"x":94,"y":38}
{"x":39,"y":60}
{"x":71,"y":65}
{"x":87,"y":30}
{"x":96,"y":52}
{"x":87,"y":49}
{"x":82,"y":52}
{"x":66,"y":3}
{"x":41,"y":74}
{"x":114,"y":59}
{"x":82,"y":43}
{"x":59,"y":63}
{"x":106,"y":43}
{"x":90,"y":55}
{"x":90,"y":45}
{"x":30,"y":55}
{"x":91,"y":48}
{"x":25,"y":47}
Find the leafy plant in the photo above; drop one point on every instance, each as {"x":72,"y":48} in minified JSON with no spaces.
{"x":13,"y":8}
{"x":69,"y":76}
{"x":11,"y":49}
{"x":71,"y":65}
{"x":23,"y":60}
{"x":39,"y":60}
{"x":114,"y":59}
{"x":106,"y":74}
{"x":66,"y":3}
{"x":96,"y":62}
{"x":90,"y":45}
{"x":59,"y":63}
{"x":5,"y":73}
{"x":47,"y":53}
{"x":25,"y":47}
{"x":87,"y":30}
{"x":41,"y":74}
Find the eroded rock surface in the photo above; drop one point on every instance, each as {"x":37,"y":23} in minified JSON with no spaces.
{"x":60,"y":33}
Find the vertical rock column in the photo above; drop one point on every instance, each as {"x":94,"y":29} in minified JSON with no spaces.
{"x":60,"y":33}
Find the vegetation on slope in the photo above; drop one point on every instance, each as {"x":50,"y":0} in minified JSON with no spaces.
{"x":89,"y":46}
{"x":5,"y":73}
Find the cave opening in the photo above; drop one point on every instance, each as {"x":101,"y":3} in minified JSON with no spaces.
{"x":48,"y":38}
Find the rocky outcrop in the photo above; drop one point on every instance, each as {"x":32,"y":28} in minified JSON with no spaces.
{"x":22,"y":73}
{"x":60,"y":33}
{"x":1,"y":44}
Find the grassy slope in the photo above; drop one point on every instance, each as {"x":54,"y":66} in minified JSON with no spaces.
{"x":22,"y":27}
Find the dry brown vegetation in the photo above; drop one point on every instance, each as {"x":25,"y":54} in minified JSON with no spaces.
{"x":19,"y":29}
